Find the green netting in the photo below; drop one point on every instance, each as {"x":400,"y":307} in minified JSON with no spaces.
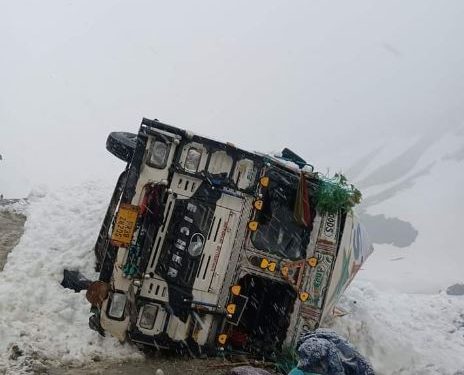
{"x":335,"y":194}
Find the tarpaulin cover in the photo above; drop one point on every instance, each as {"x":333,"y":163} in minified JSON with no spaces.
{"x":326,"y":353}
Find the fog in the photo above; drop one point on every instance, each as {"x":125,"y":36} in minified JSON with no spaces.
{"x":325,"y":79}
{"x":373,"y":89}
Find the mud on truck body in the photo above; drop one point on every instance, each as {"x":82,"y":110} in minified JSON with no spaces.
{"x":206,"y":246}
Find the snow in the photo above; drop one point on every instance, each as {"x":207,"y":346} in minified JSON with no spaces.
{"x":432,"y":204}
{"x":46,"y":321}
{"x":404,"y":333}
{"x":17,"y":206}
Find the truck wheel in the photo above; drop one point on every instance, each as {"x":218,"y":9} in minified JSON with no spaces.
{"x":121,"y":145}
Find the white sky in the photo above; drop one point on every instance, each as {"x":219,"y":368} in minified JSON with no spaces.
{"x":323,"y":78}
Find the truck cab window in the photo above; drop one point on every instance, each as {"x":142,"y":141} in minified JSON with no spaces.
{"x":278,"y":233}
{"x":192,"y":161}
{"x":158,"y":154}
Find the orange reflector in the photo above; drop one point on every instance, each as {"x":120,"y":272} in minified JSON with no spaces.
{"x":264,"y":181}
{"x":222,"y":338}
{"x":312,"y":261}
{"x":258,"y":204}
{"x":272,"y":266}
{"x":231,"y":308}
{"x":284,"y":271}
{"x":304,"y":296}
{"x":235,"y":290}
{"x":264,"y":263}
{"x":253,"y":226}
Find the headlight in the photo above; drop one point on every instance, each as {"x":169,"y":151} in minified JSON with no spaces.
{"x":192,"y":160}
{"x":117,"y":306}
{"x":159,"y":154}
{"x":148,"y":316}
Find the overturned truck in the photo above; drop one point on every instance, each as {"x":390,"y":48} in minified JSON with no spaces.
{"x":205,"y":246}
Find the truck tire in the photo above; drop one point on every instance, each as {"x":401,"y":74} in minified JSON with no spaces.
{"x":121,"y":145}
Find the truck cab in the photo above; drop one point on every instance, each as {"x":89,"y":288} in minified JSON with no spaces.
{"x":206,"y":246}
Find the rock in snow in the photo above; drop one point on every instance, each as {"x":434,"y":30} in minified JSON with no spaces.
{"x":455,"y":290}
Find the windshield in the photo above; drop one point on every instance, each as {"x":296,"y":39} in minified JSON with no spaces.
{"x":278,"y":233}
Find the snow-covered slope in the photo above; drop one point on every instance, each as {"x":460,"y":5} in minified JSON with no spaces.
{"x":413,"y":199}
{"x":44,"y":320}
{"x":407,"y":334}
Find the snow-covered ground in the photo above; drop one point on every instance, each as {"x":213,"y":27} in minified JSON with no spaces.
{"x":404,"y":333}
{"x":398,"y":316}
{"x":420,"y":182}
{"x":45,"y":321}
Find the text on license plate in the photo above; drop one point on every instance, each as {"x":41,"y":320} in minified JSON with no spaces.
{"x":125,"y":225}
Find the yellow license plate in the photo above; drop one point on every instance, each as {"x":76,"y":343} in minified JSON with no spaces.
{"x":125,"y":225}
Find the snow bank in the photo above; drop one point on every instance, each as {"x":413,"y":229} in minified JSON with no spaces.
{"x":405,"y":333}
{"x":17,"y":206}
{"x":44,"y":320}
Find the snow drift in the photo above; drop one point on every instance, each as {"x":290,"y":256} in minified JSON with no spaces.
{"x":45,"y":321}
{"x":401,"y":333}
